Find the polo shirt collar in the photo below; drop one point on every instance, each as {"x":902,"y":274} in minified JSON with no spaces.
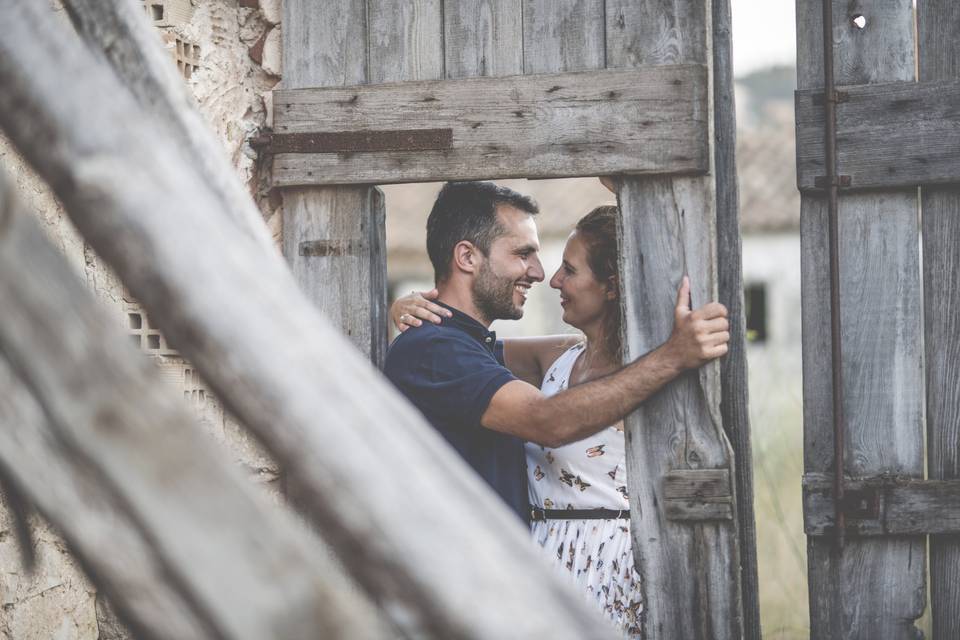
{"x":470,"y":326}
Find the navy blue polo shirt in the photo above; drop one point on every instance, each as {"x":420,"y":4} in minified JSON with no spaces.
{"x":450,"y":372}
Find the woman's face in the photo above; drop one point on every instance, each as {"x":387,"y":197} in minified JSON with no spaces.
{"x":582,"y":296}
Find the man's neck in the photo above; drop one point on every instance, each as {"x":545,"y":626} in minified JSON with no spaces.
{"x":462,"y":301}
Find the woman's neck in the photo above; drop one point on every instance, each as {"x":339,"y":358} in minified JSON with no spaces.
{"x":595,"y":361}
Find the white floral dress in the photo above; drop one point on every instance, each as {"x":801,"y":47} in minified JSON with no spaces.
{"x":589,"y":474}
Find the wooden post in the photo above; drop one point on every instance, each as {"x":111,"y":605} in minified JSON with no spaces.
{"x":938,"y":24}
{"x":691,"y":570}
{"x":874,"y":588}
{"x":326,"y":45}
{"x":734,"y":407}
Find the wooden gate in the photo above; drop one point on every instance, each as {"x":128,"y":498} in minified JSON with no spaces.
{"x":900,"y":337}
{"x":423,"y":90}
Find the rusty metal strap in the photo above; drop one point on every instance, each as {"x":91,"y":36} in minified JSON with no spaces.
{"x":881,"y":506}
{"x":325,"y":248}
{"x":369,"y":141}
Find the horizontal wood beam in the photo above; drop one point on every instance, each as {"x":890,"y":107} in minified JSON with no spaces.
{"x":883,"y":506}
{"x":894,"y":134}
{"x":650,"y":120}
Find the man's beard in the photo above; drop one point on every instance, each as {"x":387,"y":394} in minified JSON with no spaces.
{"x":493,"y":295}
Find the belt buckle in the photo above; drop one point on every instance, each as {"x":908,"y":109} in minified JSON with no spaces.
{"x":537,"y":515}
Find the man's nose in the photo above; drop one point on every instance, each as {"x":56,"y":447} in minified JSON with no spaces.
{"x":535,"y":269}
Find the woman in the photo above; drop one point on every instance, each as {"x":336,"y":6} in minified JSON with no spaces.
{"x":586,"y":479}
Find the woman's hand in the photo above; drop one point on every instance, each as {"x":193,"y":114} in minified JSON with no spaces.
{"x":415,"y":307}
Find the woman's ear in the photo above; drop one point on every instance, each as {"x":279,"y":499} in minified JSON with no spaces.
{"x":613,"y":288}
{"x":465,"y":256}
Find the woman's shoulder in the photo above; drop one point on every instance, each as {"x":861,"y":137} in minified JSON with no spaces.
{"x":558,"y":372}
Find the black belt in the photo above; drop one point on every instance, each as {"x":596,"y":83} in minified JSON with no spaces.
{"x":539,"y":515}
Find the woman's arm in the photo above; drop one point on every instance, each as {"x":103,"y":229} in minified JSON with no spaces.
{"x":527,"y":358}
{"x":415,"y":307}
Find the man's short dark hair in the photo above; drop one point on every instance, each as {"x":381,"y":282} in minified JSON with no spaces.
{"x":468,"y":211}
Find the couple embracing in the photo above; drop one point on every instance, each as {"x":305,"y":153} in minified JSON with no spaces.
{"x":540,"y":419}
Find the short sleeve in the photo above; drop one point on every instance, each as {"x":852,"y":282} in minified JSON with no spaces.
{"x":449,"y":376}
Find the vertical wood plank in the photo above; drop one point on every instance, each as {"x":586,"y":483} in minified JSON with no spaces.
{"x":691,"y":571}
{"x":325,"y":44}
{"x":875,"y":588}
{"x":482,"y":38}
{"x":938,"y":25}
{"x":405,"y":40}
{"x":563,"y":35}
{"x":734,"y":406}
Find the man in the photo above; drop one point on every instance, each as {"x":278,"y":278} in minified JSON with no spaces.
{"x":483,"y":244}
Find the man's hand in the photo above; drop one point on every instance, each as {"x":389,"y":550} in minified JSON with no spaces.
{"x":698,"y":336}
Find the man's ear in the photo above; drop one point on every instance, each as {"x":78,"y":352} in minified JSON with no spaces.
{"x":466,"y":256}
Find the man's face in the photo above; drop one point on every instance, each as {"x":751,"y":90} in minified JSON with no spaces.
{"x":506,"y":275}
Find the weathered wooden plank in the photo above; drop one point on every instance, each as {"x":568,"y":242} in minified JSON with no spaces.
{"x":669,"y":229}
{"x":114,"y":461}
{"x":888,"y":135}
{"x":903,"y":506}
{"x":696,"y":483}
{"x":372,"y":472}
{"x":734,"y":384}
{"x":482,"y":38}
{"x":121,"y":32}
{"x":699,"y":509}
{"x":326,"y":45}
{"x":563,"y":35}
{"x":405,"y":41}
{"x":639,"y":121}
{"x":939,"y":60}
{"x":875,"y":588}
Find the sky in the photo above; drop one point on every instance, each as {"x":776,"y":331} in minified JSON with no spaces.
{"x":764,"y":34}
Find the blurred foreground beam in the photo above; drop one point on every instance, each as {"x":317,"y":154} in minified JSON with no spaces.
{"x":120,"y":33}
{"x":159,"y":519}
{"x":408,"y":518}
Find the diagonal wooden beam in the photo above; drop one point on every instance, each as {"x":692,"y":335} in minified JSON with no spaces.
{"x":158,"y":517}
{"x":402,"y":511}
{"x":119,"y":32}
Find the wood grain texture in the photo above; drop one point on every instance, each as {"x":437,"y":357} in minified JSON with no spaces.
{"x":120,"y":32}
{"x":691,"y":570}
{"x":110,"y":456}
{"x":734,"y":383}
{"x":482,"y":38}
{"x":888,"y":135}
{"x":372,"y":488}
{"x":939,"y":60}
{"x":552,"y":125}
{"x":405,"y":40}
{"x":563,"y":35}
{"x":327,"y":45}
{"x":906,"y":506}
{"x":875,"y":588}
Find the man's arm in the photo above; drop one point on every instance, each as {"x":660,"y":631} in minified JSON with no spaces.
{"x":521,"y":410}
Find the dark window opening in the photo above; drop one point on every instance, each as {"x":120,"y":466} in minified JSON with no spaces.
{"x":755,"y":309}
{"x":156,"y":11}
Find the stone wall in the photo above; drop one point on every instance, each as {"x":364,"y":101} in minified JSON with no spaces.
{"x":229,"y":54}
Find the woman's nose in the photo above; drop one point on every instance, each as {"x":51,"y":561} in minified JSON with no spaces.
{"x":555,"y":280}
